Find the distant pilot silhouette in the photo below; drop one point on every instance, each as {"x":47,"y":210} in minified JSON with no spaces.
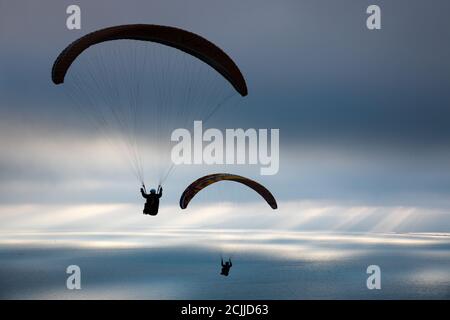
{"x":226,"y":267}
{"x":152,"y":204}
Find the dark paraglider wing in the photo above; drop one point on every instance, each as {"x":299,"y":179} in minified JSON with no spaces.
{"x":205,"y":181}
{"x":188,"y":42}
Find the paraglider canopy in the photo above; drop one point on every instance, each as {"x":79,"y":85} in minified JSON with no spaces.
{"x":205,"y":181}
{"x":186,"y":41}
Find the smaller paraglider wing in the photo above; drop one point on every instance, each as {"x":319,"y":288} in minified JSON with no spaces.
{"x":205,"y":181}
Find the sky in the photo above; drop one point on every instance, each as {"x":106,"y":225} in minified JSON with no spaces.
{"x":363,"y":117}
{"x":183,"y":264}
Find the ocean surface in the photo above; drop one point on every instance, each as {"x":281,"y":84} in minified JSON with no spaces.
{"x":185,"y":264}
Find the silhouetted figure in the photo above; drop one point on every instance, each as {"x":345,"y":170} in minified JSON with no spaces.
{"x":152,"y":204}
{"x":226,"y":267}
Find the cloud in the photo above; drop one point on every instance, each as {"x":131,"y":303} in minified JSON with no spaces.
{"x":71,"y":168}
{"x":294,"y":216}
{"x":363,"y":117}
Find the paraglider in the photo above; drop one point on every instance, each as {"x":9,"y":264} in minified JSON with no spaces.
{"x":203,"y":182}
{"x":139,"y":82}
{"x":195,"y":187}
{"x":226,"y":267}
{"x":152,"y":200}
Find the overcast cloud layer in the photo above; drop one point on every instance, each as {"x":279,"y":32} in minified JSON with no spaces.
{"x":364,"y":117}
